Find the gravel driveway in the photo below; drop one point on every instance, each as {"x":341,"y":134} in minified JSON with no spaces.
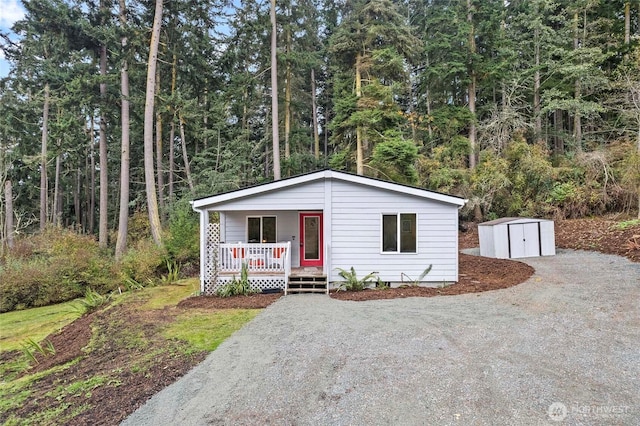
{"x":561,"y":348}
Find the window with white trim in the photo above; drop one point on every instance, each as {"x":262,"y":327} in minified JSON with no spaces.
{"x":261,"y":229}
{"x":399,"y":233}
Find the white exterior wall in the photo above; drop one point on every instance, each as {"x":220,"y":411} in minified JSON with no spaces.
{"x":307,"y":196}
{"x":287,"y":229}
{"x":486,"y":235}
{"x":356,"y":233}
{"x":548,"y":238}
{"x":500,"y":241}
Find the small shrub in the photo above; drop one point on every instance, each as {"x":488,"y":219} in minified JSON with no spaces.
{"x":142,"y":262}
{"x":182,"y":241}
{"x":237,"y":287}
{"x":52,"y":267}
{"x":353,"y":283}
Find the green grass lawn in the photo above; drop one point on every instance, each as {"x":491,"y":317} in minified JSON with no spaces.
{"x":183,"y":333}
{"x":35,"y":323}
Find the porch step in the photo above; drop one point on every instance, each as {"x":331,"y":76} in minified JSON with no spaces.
{"x":307,"y":284}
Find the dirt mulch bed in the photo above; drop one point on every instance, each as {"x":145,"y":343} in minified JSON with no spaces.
{"x":599,"y":235}
{"x":476,"y":274}
{"x":156,"y":365}
{"x":254,"y":301}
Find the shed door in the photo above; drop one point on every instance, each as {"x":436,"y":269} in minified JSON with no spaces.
{"x":524,"y":240}
{"x":311,"y":247}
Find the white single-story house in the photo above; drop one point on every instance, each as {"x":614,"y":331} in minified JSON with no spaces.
{"x":293,"y":234}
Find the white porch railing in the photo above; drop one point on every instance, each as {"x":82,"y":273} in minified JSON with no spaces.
{"x":272,"y":258}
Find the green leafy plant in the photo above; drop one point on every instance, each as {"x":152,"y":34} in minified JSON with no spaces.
{"x":621,"y":226}
{"x":91,"y":301}
{"x":173,"y":272}
{"x":132,"y":285}
{"x":237,"y":287}
{"x":416,"y":282}
{"x":353,"y":283}
{"x":30,"y":348}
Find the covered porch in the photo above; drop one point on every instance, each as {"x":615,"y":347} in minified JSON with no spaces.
{"x":294,"y":265}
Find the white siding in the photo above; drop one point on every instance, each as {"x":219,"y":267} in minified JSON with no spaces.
{"x":356,"y":216}
{"x":517,"y":238}
{"x":286,"y":228}
{"x":308,"y":196}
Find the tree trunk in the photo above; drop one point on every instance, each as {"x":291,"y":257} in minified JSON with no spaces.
{"x":472,"y":90}
{"x":172,"y":157}
{"x":205,"y":119}
{"x":287,"y":113}
{"x":627,"y":22}
{"x":92,"y":170}
{"x":55,"y":218}
{"x":76,"y":199}
{"x":123,"y":218}
{"x":43,"y":159}
{"x":314,"y":113}
{"x":577,"y":122}
{"x":274,"y":94}
{"x":159,"y":150}
{"x":185,"y":156}
{"x":172,"y":127}
{"x":559,"y":140}
{"x":149,"y":176}
{"x":287,"y":99}
{"x":8,"y":209}
{"x":104,"y":177}
{"x":359,"y":144}
{"x":536,"y":87}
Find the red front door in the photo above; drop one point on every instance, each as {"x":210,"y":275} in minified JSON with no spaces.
{"x":311,"y":247}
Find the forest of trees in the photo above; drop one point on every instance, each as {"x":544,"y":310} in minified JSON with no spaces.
{"x":117,"y":108}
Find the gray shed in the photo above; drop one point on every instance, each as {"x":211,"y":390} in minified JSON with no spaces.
{"x":512,"y":238}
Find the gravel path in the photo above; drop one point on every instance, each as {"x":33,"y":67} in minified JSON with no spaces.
{"x":568,"y":338}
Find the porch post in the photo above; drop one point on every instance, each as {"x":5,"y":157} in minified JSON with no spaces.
{"x":204,"y":249}
{"x":328,"y":211}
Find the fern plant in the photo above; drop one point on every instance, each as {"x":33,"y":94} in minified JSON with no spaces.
{"x":353,"y":283}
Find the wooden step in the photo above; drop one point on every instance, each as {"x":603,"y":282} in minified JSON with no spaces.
{"x":307,"y":284}
{"x":306,"y":290}
{"x":303,"y":278}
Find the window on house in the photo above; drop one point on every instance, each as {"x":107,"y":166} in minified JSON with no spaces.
{"x":399,"y":233}
{"x":261,"y":229}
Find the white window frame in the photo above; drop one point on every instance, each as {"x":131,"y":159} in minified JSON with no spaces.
{"x":398,"y":233}
{"x":261,"y":217}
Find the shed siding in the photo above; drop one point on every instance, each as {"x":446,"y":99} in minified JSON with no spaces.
{"x":356,"y":233}
{"x":517,"y":238}
{"x":309,"y":196}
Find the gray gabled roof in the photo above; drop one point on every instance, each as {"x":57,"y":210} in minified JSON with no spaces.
{"x":208,"y":202}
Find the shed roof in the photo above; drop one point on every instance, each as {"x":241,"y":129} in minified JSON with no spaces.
{"x":503,"y":220}
{"x":211,"y":201}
